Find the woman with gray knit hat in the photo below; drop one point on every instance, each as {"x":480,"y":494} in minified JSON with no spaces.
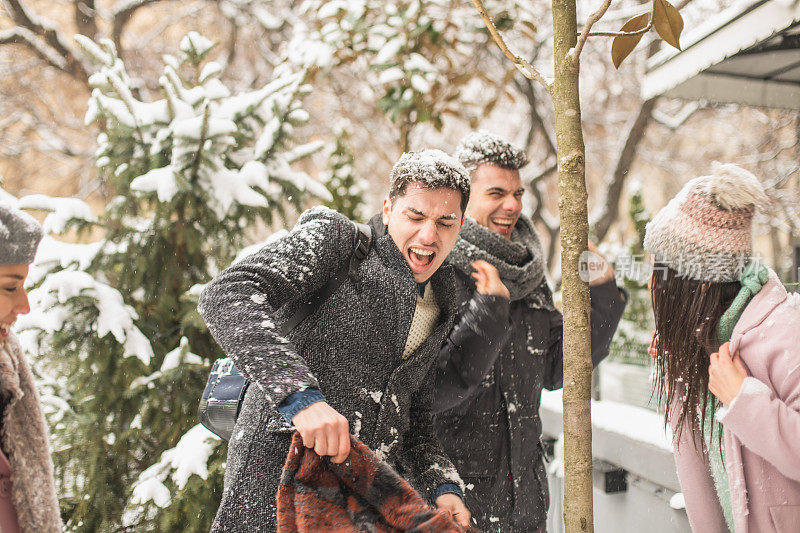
{"x":28,"y":500}
{"x":727,"y":358}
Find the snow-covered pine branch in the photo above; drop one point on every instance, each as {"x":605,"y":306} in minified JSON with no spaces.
{"x":188,"y":174}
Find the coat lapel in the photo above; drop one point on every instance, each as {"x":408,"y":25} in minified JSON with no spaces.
{"x":771,"y":295}
{"x":25,"y":439}
{"x":410,"y":374}
{"x":762,"y":304}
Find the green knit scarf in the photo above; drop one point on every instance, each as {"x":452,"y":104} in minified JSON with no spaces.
{"x":753,"y":278}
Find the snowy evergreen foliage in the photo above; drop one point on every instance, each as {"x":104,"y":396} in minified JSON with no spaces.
{"x":346,"y":189}
{"x":415,"y":55}
{"x":632,"y":339}
{"x":115,"y":322}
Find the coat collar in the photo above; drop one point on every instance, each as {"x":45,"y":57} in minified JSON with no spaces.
{"x":9,"y":370}
{"x":771,"y":295}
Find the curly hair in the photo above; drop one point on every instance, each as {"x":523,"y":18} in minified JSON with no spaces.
{"x":482,"y":147}
{"x":432,"y":169}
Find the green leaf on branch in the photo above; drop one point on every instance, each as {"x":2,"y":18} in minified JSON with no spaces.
{"x":623,"y":45}
{"x":668,"y":22}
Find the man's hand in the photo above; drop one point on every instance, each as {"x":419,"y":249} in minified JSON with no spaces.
{"x":324,"y":430}
{"x":725,"y":374}
{"x":487,"y":279}
{"x":452,"y":503}
{"x":607,"y":274}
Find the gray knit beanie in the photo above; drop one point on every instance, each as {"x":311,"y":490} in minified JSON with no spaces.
{"x":484,"y":148}
{"x":705,"y":233}
{"x":20,"y":234}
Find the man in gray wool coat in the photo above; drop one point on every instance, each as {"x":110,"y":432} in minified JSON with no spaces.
{"x":363,"y":362}
{"x":506,"y":345}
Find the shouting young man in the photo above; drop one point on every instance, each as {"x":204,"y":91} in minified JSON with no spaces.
{"x":363,"y":362}
{"x":506,"y":345}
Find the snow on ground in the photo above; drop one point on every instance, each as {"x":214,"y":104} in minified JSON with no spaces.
{"x":677,"y":501}
{"x":636,"y":423}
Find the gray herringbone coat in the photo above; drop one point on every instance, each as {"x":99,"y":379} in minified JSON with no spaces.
{"x":350,"y":348}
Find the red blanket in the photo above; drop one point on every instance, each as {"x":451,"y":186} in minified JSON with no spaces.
{"x":361,"y":494}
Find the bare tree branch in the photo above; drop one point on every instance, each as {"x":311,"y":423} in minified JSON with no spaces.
{"x":233,"y":38}
{"x":520,"y":62}
{"x":546,"y":219}
{"x":593,"y":18}
{"x":625,"y":14}
{"x":679,"y":119}
{"x":26,"y":20}
{"x":610,"y":205}
{"x":84,"y":13}
{"x":122,"y":12}
{"x":536,"y":123}
{"x":544,"y":173}
{"x":24,"y":36}
{"x":623,"y":33}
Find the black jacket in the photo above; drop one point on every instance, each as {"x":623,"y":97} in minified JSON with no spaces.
{"x":350,"y":348}
{"x":493,"y":367}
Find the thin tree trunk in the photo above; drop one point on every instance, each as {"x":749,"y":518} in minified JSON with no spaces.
{"x":405,"y":134}
{"x":572,"y":206}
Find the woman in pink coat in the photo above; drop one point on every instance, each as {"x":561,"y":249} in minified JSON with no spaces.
{"x":727,"y":358}
{"x":28,"y":501}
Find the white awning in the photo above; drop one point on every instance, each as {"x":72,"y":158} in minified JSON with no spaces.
{"x":748,"y":54}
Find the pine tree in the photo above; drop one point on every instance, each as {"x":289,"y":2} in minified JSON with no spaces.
{"x":345,"y":188}
{"x":416,"y":56}
{"x":116,"y":319}
{"x":633,"y":337}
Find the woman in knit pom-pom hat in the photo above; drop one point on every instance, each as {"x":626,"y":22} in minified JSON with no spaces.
{"x":727,"y":358}
{"x":28,"y":501}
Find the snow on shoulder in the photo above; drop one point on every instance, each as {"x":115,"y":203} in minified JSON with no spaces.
{"x":432,"y":168}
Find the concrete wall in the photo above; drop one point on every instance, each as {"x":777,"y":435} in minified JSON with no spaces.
{"x":649,"y":473}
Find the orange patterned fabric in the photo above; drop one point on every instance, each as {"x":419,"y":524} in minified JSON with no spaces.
{"x":361,"y":494}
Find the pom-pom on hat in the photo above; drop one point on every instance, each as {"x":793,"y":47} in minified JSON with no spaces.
{"x":482,"y":147}
{"x":20,"y":234}
{"x":705,"y":232}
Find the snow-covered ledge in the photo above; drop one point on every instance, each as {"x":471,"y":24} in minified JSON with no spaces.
{"x":635,"y":440}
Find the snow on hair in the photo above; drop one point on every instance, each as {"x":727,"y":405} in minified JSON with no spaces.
{"x":733,"y":187}
{"x":482,"y":147}
{"x":433,"y":169}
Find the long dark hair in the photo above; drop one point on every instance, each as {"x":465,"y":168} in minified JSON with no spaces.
{"x":687,"y":314}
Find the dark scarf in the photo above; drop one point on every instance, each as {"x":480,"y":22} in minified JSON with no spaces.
{"x":520,"y":261}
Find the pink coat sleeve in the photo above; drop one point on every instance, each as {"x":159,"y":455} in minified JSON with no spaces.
{"x":765,"y":415}
{"x":767,"y":425}
{"x":702,"y":505}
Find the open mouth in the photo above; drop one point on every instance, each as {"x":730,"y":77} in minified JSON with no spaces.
{"x":420,"y":258}
{"x":5,"y":329}
{"x":504,"y":225}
